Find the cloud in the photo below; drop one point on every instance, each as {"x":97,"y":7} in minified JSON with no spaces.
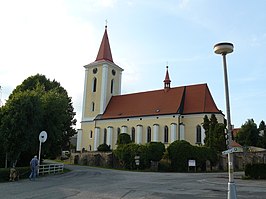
{"x":42,"y":37}
{"x":106,"y":3}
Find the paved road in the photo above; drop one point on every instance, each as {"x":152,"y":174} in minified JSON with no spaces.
{"x":87,"y":182}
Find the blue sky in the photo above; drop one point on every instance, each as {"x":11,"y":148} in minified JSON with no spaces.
{"x":58,"y":37}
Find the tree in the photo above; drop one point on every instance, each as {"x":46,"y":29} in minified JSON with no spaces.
{"x":104,"y":148}
{"x":206,"y":126}
{"x":37,"y":104}
{"x":179,"y":153}
{"x":248,"y":135}
{"x":262,"y":133}
{"x":214,"y":131}
{"x":126,"y":154}
{"x":155,"y":151}
{"x":123,"y":138}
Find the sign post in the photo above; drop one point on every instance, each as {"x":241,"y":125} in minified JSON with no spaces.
{"x":42,"y":139}
{"x":192,"y":163}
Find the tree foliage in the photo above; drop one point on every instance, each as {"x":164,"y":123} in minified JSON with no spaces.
{"x":182,"y":151}
{"x":123,"y":138}
{"x":104,"y":148}
{"x":248,"y":135}
{"x":149,"y":152}
{"x":262,"y":133}
{"x":214,"y":131}
{"x":155,"y":151}
{"x":37,"y":104}
{"x":126,"y":154}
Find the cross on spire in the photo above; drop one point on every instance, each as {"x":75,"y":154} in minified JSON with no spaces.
{"x":106,"y":23}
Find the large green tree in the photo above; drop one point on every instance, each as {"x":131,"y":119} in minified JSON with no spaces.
{"x":37,"y":104}
{"x":214,"y":131}
{"x":248,"y":135}
{"x":262,"y":131}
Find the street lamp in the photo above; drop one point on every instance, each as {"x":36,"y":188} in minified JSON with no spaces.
{"x":224,"y":49}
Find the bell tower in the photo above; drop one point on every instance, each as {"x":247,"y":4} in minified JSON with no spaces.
{"x":102,"y":81}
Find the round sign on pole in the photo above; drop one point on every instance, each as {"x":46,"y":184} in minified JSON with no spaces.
{"x":43,"y":136}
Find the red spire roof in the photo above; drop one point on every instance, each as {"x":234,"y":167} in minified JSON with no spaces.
{"x":167,"y":80}
{"x":105,"y":50}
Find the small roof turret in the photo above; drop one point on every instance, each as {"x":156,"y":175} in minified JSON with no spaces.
{"x":167,"y":80}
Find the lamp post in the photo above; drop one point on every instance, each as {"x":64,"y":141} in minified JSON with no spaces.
{"x":224,"y":49}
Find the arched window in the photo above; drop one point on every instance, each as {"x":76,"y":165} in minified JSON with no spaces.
{"x":112,"y":86}
{"x":148,"y":134}
{"x":198,"y":134}
{"x":91,"y":133}
{"x":94,"y":84}
{"x":133,"y":134}
{"x":92,"y":106}
{"x":166,"y":134}
{"x":89,"y":147}
{"x":104,"y":136}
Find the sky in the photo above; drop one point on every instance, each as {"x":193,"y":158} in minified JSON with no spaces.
{"x":57,"y":38}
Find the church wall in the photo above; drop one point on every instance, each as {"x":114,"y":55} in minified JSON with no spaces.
{"x":191,"y":122}
{"x":125,"y":124}
{"x":93,"y":96}
{"x":103,"y":93}
{"x":87,"y":140}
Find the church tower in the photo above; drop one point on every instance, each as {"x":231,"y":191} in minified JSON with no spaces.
{"x":102,"y":81}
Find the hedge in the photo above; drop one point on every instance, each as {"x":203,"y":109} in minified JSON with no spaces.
{"x":255,"y":171}
{"x":24,"y":172}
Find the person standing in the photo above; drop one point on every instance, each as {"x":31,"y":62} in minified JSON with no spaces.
{"x":34,"y":167}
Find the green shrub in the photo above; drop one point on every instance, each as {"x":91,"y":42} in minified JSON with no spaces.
{"x":165,"y":165}
{"x":24,"y":172}
{"x":4,"y":175}
{"x":104,"y":148}
{"x":256,"y":171}
{"x":155,"y":151}
{"x":123,"y":138}
{"x":181,"y":151}
{"x":126,"y":155}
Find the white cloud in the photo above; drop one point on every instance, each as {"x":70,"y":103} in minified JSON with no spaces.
{"x":106,"y":3}
{"x":42,"y":37}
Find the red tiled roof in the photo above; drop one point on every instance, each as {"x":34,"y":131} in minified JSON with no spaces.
{"x":104,"y":52}
{"x":167,"y":79}
{"x":183,"y":100}
{"x":235,"y":131}
{"x":235,"y":144}
{"x":198,"y":99}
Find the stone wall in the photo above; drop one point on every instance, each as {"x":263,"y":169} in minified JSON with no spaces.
{"x":100,"y":159}
{"x":108,"y":160}
{"x":242,"y":159}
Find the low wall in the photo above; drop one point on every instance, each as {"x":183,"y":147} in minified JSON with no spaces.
{"x":100,"y":159}
{"x":242,"y":159}
{"x":108,"y":160}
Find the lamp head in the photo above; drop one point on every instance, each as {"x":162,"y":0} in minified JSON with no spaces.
{"x":223,"y":48}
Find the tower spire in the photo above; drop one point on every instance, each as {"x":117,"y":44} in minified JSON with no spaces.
{"x":104,"y":52}
{"x":167,"y":81}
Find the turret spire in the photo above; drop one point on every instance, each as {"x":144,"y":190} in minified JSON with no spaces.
{"x":104,"y":52}
{"x":167,"y":81}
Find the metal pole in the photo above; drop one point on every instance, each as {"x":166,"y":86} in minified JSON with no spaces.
{"x":229,"y":126}
{"x":39,"y":156}
{"x":231,"y":184}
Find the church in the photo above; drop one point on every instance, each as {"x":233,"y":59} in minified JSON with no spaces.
{"x":163,"y":115}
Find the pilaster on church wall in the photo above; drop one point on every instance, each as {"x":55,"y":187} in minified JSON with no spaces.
{"x":87,"y":141}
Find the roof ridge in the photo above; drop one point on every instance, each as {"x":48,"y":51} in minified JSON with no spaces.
{"x":172,"y":88}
